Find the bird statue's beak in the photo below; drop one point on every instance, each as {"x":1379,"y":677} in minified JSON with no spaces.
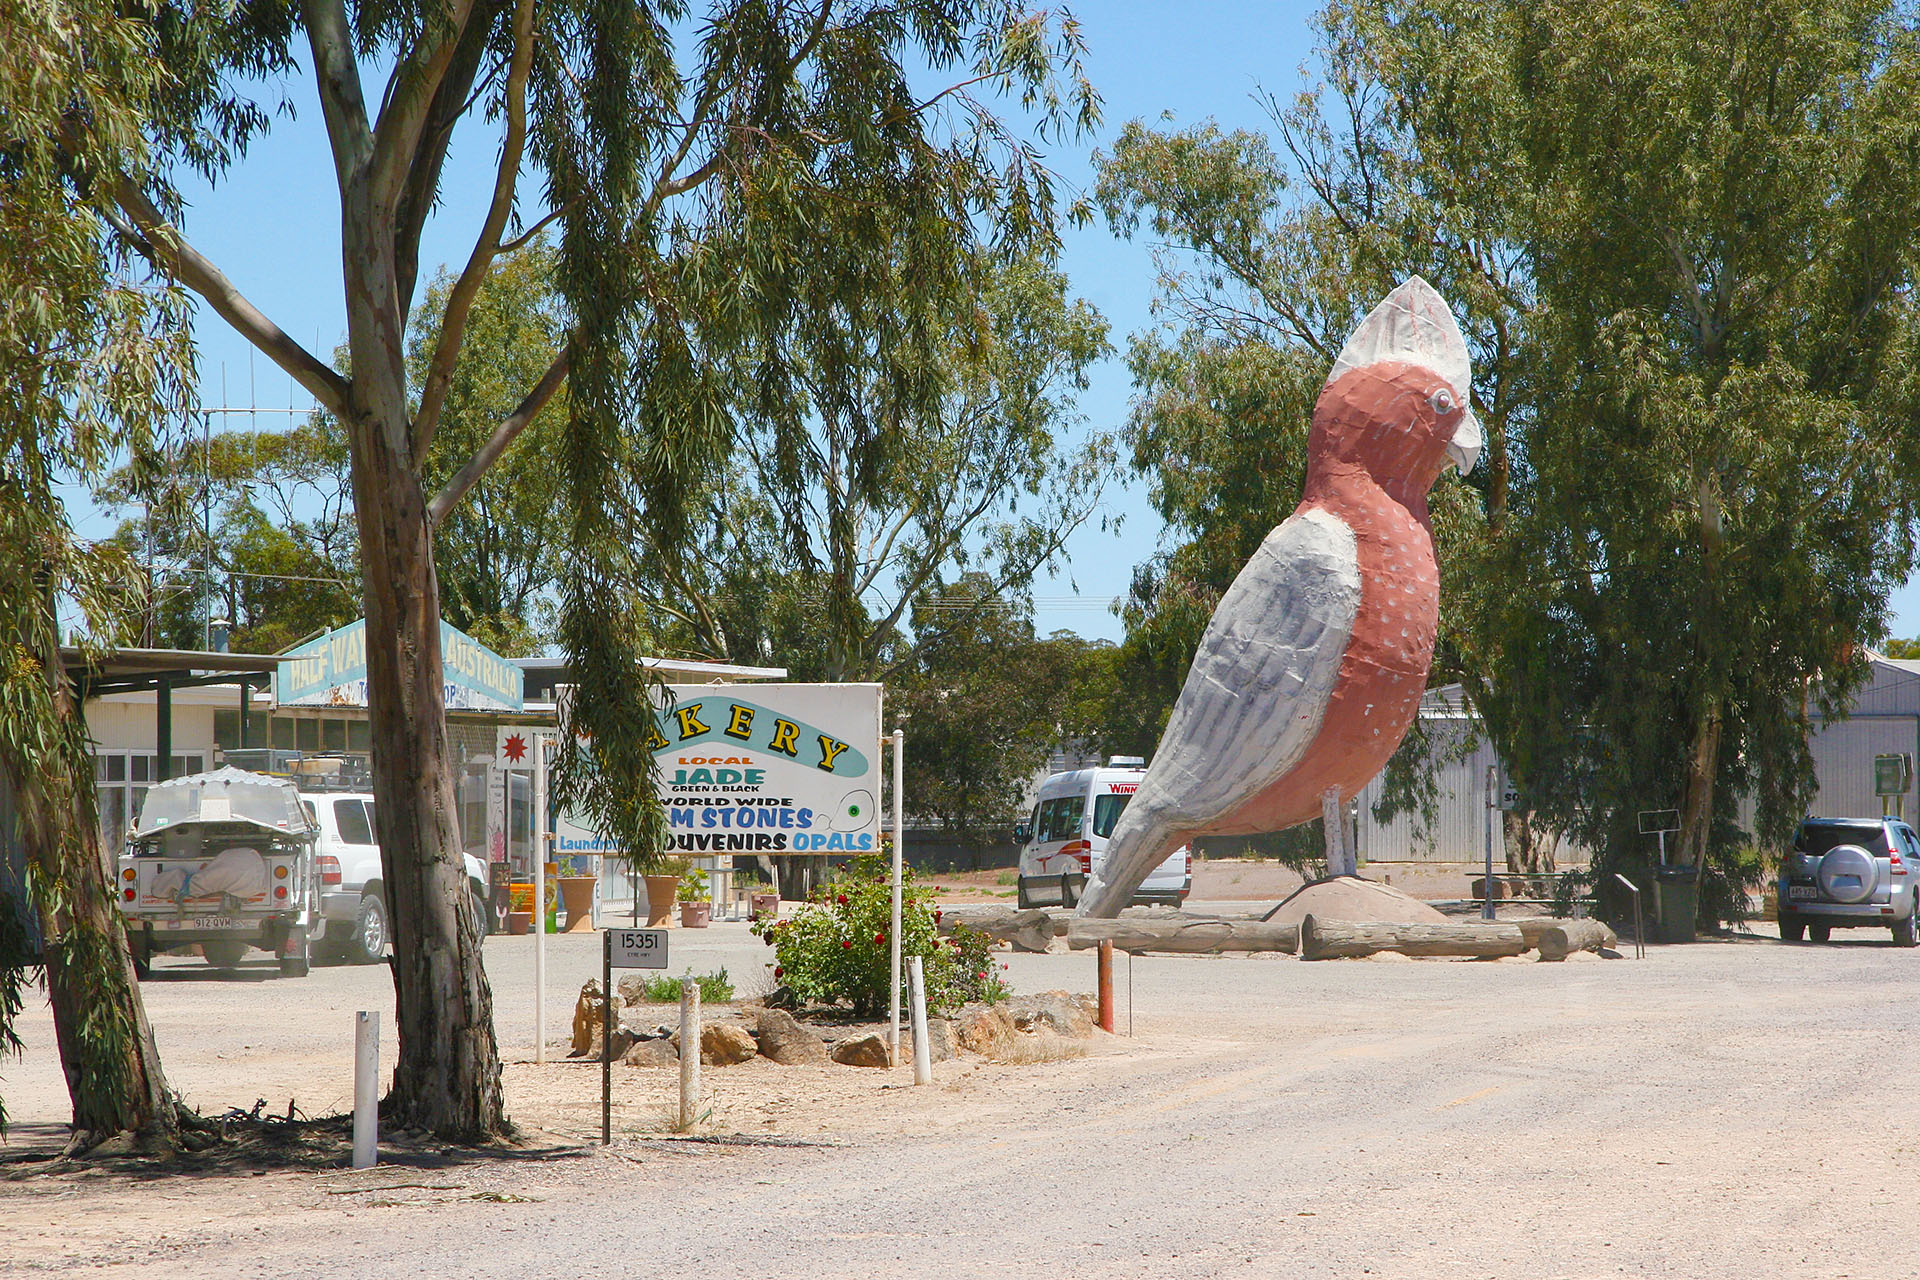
{"x":1464,"y":449}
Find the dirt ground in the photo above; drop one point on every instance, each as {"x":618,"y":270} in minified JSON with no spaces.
{"x":1240,"y":880}
{"x":1728,"y":1109}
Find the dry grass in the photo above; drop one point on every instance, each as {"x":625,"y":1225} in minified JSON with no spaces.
{"x":1029,"y":1048}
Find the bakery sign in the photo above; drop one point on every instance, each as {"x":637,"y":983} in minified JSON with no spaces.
{"x":770,"y":768}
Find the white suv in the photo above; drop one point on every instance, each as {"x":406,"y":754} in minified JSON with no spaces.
{"x":353,"y":902}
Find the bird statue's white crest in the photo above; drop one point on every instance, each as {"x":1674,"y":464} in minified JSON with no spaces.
{"x":1313,"y":666}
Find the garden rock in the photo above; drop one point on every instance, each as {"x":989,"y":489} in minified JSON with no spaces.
{"x":722,"y":1044}
{"x":1058,"y":1011}
{"x":786,"y":1041}
{"x":940,"y":1039}
{"x":983,"y":1028}
{"x":633,"y":989}
{"x":588,"y":1012}
{"x":653,"y":1052}
{"x":865,"y":1051}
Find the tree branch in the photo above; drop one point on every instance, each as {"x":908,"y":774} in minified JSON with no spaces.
{"x":453,"y":324}
{"x":150,"y":235}
{"x":503,"y":435}
{"x":337,"y":78}
{"x":404,"y":115}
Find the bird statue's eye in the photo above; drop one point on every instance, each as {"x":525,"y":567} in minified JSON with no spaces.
{"x":1442,"y":402}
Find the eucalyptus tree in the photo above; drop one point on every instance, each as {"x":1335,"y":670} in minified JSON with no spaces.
{"x":93,"y":358}
{"x":699,"y":167}
{"x":855,"y":490}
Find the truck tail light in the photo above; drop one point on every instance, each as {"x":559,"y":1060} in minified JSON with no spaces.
{"x":1081,"y":850}
{"x":279,"y":891}
{"x":129,"y":895}
{"x":329,"y":868}
{"x":129,"y":875}
{"x":1897,"y":867}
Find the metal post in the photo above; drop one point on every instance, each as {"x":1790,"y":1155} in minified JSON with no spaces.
{"x":922,"y":1053}
{"x":366,"y":1090}
{"x":1486,"y":907}
{"x":162,"y":729}
{"x":1106,"y":984}
{"x":1639,"y":929}
{"x":540,"y":897}
{"x":893,"y":933}
{"x":689,"y":1051}
{"x":606,"y":1037}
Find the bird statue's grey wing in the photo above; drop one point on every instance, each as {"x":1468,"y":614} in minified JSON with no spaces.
{"x":1253,"y":701}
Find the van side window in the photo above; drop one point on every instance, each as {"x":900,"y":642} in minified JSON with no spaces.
{"x":1106,"y":812}
{"x":350,"y":816}
{"x":1060,"y":819}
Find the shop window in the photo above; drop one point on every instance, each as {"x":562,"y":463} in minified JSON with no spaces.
{"x":333,"y":735}
{"x":307,"y":735}
{"x":283,"y":733}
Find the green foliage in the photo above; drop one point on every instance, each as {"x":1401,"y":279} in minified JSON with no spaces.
{"x":715,"y":988}
{"x":692,"y":887}
{"x":835,"y":947}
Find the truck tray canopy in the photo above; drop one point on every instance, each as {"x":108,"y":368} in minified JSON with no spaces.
{"x":224,"y":795}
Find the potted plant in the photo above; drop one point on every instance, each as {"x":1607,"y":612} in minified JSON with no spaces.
{"x":662,"y":886}
{"x":696,"y":909}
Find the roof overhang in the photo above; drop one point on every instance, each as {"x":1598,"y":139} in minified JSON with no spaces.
{"x":105,"y":671}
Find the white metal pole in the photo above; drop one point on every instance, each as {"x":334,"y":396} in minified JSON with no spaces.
{"x":689,"y":1051}
{"x":540,"y":897}
{"x":922,"y":1054}
{"x":366,"y":1089}
{"x":893,"y":988}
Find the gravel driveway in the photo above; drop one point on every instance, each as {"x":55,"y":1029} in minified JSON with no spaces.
{"x":1728,"y":1109}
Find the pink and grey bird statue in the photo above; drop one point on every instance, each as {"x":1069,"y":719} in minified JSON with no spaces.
{"x":1314,"y":663}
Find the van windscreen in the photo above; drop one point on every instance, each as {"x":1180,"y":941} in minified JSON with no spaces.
{"x":1106,"y":812}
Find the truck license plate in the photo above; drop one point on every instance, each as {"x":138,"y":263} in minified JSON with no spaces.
{"x":1803,"y":891}
{"x":203,"y":922}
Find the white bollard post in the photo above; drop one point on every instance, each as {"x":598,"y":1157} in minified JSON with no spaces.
{"x":366,"y":1090}
{"x":689,"y":1052}
{"x":922,"y":1051}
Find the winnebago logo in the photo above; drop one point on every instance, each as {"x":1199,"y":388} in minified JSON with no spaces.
{"x":737,"y":725}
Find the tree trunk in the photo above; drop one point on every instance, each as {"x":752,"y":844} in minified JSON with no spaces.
{"x":1527,"y":853}
{"x":107,"y":1050}
{"x":447,"y":1074}
{"x":1696,"y":813}
{"x":1565,"y":937}
{"x":1340,"y":939}
{"x":1184,"y":934}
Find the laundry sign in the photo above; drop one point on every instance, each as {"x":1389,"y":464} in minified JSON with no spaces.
{"x":770,"y":768}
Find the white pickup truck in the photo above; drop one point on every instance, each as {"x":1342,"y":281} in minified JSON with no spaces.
{"x":223,"y":860}
{"x":353,"y":898}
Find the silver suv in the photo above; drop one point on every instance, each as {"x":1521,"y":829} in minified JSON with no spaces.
{"x":1850,"y":872}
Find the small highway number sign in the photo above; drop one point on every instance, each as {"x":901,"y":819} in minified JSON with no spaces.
{"x":637,"y":948}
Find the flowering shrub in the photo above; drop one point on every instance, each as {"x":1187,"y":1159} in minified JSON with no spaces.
{"x":835,"y":948}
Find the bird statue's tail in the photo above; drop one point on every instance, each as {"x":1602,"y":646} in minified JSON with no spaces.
{"x":1143,"y":839}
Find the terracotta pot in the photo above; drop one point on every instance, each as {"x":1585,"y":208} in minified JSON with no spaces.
{"x":695,"y":915}
{"x":660,"y":893}
{"x":765,"y":906}
{"x":576,"y":894}
{"x":519,"y":921}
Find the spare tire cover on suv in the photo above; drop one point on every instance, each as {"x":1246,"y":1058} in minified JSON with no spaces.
{"x":1847,"y":873}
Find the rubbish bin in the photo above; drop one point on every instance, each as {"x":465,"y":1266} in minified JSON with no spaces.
{"x":1677,"y":902}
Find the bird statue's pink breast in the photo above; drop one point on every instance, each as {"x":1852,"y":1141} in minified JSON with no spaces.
{"x":1313,"y":666}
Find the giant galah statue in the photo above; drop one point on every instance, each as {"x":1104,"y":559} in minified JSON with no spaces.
{"x":1312,"y":668}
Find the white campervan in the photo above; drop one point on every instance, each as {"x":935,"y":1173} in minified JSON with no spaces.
{"x":1066,"y":835}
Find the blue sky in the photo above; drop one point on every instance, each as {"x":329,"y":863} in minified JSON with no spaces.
{"x":273,"y":226}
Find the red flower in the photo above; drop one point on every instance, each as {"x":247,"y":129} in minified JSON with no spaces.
{"x":936,"y":917}
{"x":981,"y":976}
{"x":842,"y":899}
{"x":879,"y":939}
{"x":847,"y":943}
{"x":778,"y":972}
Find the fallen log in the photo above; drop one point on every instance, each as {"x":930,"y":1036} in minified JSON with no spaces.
{"x":1342,"y":939}
{"x":1568,"y":936}
{"x":1183,"y":934}
{"x":1030,"y":930}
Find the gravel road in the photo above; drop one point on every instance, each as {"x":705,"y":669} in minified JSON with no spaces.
{"x":1730,"y":1109}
